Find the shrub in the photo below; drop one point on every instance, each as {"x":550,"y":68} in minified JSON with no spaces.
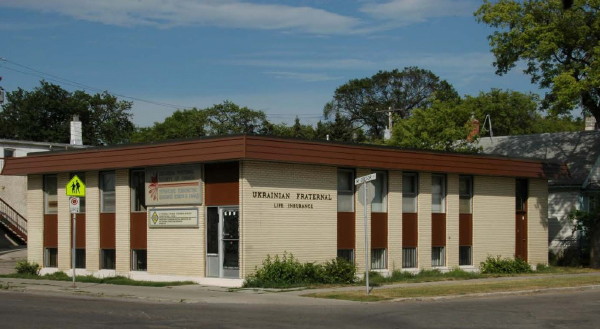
{"x":27,"y":268}
{"x":287,"y":271}
{"x":498,"y":265}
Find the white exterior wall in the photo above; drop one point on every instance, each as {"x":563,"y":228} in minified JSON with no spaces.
{"x":308,"y":234}
{"x":394,"y":220}
{"x":92,"y":221}
{"x":537,"y":222}
{"x":452,"y":215}
{"x":122,"y":221}
{"x":493,"y":217}
{"x":359,"y":217}
{"x":35,"y":223}
{"x":560,"y":229}
{"x":424,"y":221}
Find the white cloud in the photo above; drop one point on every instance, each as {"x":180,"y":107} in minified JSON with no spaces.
{"x":221,"y":13}
{"x":405,"y":12}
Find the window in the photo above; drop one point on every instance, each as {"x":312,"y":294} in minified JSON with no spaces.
{"x":107,"y":187}
{"x":50,"y":195}
{"x":378,"y":259}
{"x":81,"y":176}
{"x":9,"y":153}
{"x":51,"y":257}
{"x":107,"y":259}
{"x":438,"y":256}
{"x":345,"y":188}
{"x":138,"y":192}
{"x":139,"y":260}
{"x":521,"y":195}
{"x":409,"y":257}
{"x":410,"y":192}
{"x":347,"y":254}
{"x":379,"y":203}
{"x":464,"y":255}
{"x":465,"y":191}
{"x":438,"y":193}
{"x":79,"y":258}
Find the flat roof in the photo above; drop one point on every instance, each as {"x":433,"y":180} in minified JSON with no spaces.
{"x":276,"y":149}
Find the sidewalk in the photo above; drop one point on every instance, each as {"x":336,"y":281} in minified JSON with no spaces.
{"x":217,"y":295}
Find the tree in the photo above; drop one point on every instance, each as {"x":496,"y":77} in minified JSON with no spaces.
{"x":44,"y":115}
{"x":220,"y":119}
{"x":560,"y":44}
{"x":587,"y":223}
{"x":442,"y":127}
{"x":364,"y":102}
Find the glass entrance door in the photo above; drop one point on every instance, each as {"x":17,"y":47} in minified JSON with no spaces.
{"x":230,"y":243}
{"x":222,"y":242}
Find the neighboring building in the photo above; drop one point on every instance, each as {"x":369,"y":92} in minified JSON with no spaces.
{"x":580,"y":151}
{"x":216,"y":207}
{"x":13,"y":189}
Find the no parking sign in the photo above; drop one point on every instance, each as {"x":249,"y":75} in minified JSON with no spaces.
{"x":74,"y":203}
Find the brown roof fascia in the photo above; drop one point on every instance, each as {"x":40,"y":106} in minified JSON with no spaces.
{"x":280,"y":150}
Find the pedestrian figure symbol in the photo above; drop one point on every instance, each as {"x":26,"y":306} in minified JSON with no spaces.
{"x":75,"y":187}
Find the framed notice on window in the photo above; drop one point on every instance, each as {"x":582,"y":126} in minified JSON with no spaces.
{"x":174,"y":185}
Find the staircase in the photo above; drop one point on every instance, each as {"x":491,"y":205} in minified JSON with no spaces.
{"x":13,"y":221}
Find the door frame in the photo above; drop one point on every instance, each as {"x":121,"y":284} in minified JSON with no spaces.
{"x":221,"y":247}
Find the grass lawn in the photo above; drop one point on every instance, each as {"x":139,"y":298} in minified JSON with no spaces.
{"x":463,"y":288}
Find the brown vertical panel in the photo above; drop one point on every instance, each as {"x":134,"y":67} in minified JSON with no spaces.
{"x":107,"y":231}
{"x":379,"y":230}
{"x":222,"y":183}
{"x":465,"y":229}
{"x":139,"y":230}
{"x":410,"y":232}
{"x":79,"y":232}
{"x":438,"y":229}
{"x":51,"y":231}
{"x":345,"y":230}
{"x":521,"y":235}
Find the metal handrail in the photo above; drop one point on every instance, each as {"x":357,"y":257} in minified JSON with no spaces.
{"x":14,"y":219}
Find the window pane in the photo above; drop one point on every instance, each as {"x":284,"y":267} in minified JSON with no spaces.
{"x":347,"y":254}
{"x":379,"y":203}
{"x":79,"y":258}
{"x":438,"y":193}
{"x":108,"y":259}
{"x":139,"y":260}
{"x":107,"y":184}
{"x":345,"y":190}
{"x":438,"y":256}
{"x":409,"y":204}
{"x":464,"y":255}
{"x":465,"y":184}
{"x":51,"y":257}
{"x":50,"y":194}
{"x":409,"y":257}
{"x":138,"y":194}
{"x":378,"y":261}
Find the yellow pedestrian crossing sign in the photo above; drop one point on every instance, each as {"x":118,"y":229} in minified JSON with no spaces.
{"x":75,"y":187}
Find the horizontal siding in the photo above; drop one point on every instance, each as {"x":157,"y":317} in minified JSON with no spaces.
{"x":35,"y":219}
{"x":309,"y":234}
{"x":537,"y":222}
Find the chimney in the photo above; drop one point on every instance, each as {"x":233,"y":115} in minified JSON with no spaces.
{"x":474,"y":129}
{"x":590,"y":123}
{"x":76,"y":133}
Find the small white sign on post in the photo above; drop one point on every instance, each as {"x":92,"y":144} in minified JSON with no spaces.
{"x":74,"y":204}
{"x":364,"y":180}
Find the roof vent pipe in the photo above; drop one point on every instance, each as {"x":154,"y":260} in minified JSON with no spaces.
{"x":76,"y":132}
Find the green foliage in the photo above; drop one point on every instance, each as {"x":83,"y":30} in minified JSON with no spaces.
{"x":363,"y":103}
{"x":499,"y":265}
{"x":423,"y":275}
{"x":27,"y":268}
{"x":220,"y":119}
{"x":558,"y":45}
{"x":587,"y":223}
{"x":44,"y":115}
{"x":287,"y":271}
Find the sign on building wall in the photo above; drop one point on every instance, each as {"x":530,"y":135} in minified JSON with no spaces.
{"x":173,"y":217}
{"x":173,"y":185}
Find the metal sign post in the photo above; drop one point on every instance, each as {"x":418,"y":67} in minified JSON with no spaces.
{"x":364,"y":180}
{"x":75,"y":188}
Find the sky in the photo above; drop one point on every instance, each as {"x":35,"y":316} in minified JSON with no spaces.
{"x":285,"y":57}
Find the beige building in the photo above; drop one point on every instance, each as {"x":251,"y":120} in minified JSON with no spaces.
{"x":214,"y":208}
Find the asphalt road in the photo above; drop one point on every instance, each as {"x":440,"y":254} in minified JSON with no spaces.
{"x":572,"y":309}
